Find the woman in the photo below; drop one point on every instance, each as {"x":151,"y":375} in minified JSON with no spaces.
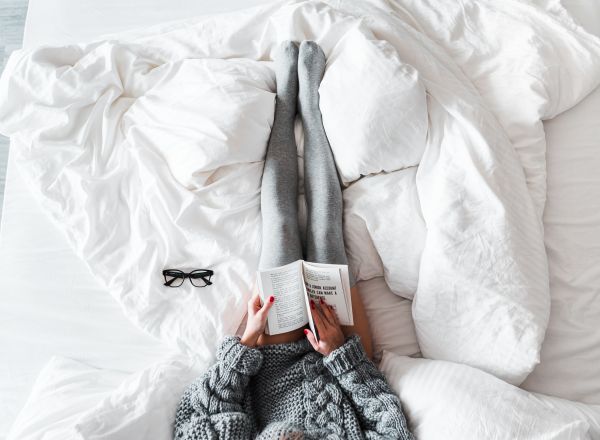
{"x":293,"y":385}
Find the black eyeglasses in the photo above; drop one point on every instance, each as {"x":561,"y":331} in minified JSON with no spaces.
{"x":198,"y":278}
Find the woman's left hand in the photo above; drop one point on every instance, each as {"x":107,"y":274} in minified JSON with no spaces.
{"x":257,"y":320}
{"x":328,"y":328}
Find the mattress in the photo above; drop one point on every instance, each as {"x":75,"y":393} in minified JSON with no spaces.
{"x":53,"y":306}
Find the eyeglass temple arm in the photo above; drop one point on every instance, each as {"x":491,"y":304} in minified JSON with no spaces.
{"x":168,"y":283}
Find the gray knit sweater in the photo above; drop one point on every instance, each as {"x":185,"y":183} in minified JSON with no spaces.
{"x":289,"y":391}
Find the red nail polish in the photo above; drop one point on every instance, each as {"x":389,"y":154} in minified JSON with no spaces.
{"x":271,"y":299}
{"x":321,"y":299}
{"x":312,"y":304}
{"x":305,"y":331}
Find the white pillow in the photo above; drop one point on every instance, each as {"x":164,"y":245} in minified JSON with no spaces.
{"x":363,"y":259}
{"x":374,"y":108}
{"x":528,"y":66}
{"x":223,"y":118}
{"x":390,"y":319}
{"x":397,"y":232}
{"x":444,"y":400}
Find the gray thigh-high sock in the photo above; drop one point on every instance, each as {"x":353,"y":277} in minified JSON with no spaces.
{"x":279,"y":192}
{"x":324,"y":234}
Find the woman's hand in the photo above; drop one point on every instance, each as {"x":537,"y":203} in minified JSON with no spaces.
{"x":257,"y":320}
{"x":328,"y":328}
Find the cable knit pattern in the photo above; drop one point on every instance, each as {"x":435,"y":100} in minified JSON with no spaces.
{"x":377,"y":406}
{"x":290,"y":391}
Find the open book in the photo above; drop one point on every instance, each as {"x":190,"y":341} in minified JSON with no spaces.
{"x":295,"y":284}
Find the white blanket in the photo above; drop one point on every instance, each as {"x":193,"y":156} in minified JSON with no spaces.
{"x":147,"y":149}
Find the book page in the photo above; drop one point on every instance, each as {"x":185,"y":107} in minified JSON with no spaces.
{"x":347,"y":291}
{"x":311,"y":323}
{"x":285,"y":283}
{"x":325,"y":281}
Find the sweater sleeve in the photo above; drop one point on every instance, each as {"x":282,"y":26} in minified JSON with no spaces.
{"x":213,"y":406}
{"x":376,"y":404}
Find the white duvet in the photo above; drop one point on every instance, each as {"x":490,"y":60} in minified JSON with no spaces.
{"x":147,"y":148}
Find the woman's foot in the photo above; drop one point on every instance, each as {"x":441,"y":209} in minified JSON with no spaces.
{"x":311,"y":67}
{"x":286,"y":75}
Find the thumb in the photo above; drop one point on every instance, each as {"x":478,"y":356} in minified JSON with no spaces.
{"x":253,"y":304}
{"x":311,"y":338}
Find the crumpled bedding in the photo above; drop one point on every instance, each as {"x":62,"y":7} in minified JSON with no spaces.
{"x":147,"y":149}
{"x":148,"y":152}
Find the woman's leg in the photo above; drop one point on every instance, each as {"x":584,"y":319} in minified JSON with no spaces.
{"x":279,"y":192}
{"x":324,"y":235}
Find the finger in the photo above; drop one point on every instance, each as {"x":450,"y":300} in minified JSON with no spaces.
{"x":326,"y":310}
{"x":254,"y":303}
{"x":317,"y":318}
{"x":322,"y":306}
{"x":264,"y":310}
{"x":332,"y":315}
{"x":311,"y":338}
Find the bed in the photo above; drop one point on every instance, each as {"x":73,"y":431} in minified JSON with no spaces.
{"x":53,"y":306}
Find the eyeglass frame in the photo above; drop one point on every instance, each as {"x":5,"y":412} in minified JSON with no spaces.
{"x":206,"y":276}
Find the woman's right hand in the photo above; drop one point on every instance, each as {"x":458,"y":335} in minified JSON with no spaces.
{"x":328,"y":327}
{"x":257,"y":320}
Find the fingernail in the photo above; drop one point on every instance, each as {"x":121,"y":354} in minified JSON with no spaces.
{"x":321,"y":299}
{"x":305,"y":331}
{"x":312,"y":304}
{"x":271,"y":298}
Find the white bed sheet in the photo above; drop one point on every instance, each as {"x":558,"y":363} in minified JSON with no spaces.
{"x":50,"y":304}
{"x":570,"y":355}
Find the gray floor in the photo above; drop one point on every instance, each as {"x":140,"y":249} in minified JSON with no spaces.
{"x":12,"y":20}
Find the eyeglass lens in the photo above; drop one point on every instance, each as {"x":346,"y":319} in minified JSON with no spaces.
{"x":200,"y":278}
{"x":174,"y":278}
